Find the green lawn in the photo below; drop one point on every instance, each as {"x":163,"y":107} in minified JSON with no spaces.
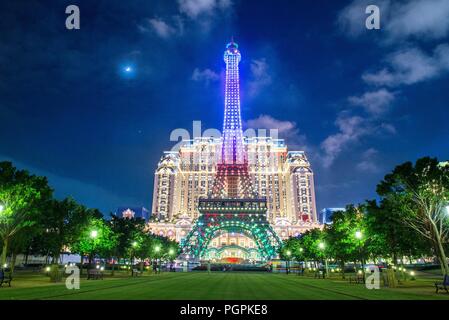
{"x":219,"y":286}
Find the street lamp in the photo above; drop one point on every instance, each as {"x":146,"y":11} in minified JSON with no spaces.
{"x":94,"y":234}
{"x":322,"y":246}
{"x":359,"y":236}
{"x":288,"y":253}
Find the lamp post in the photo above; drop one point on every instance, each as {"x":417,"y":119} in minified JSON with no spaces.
{"x":288,"y":253}
{"x":303,"y":264}
{"x":93,"y":236}
{"x":157,"y":249}
{"x":171,"y":254}
{"x":322,"y":247}
{"x":359,"y":236}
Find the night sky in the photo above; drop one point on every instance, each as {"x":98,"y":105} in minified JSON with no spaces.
{"x":358,"y":101}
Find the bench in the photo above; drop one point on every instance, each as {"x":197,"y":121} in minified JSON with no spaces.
{"x":4,"y":278}
{"x":357,"y":279}
{"x":136,"y":273}
{"x":443,"y":285}
{"x":94,"y":274}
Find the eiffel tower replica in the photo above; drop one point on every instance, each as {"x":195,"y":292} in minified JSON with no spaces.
{"x":232,"y":204}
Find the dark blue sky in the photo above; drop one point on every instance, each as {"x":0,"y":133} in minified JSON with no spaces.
{"x":358,"y":101}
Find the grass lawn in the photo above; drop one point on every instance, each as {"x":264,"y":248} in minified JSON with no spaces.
{"x":217,"y":286}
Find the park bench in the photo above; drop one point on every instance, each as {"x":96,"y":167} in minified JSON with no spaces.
{"x":136,"y":273}
{"x":94,"y":274}
{"x":4,"y":278}
{"x":357,"y":279}
{"x":443,"y":285}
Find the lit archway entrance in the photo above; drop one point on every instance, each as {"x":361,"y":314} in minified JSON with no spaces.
{"x":247,"y":217}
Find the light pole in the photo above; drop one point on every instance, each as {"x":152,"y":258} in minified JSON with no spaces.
{"x":303,"y":264}
{"x":322,"y":247}
{"x":134,"y":244}
{"x":359,"y":236}
{"x":93,"y":235}
{"x":288,"y":253}
{"x":157,"y":249}
{"x":171,"y":254}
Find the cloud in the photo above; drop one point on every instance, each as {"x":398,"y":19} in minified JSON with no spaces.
{"x":369,"y":163}
{"x":351,"y":128}
{"x":419,"y":18}
{"x":374,"y":102}
{"x":409,"y":66}
{"x":162,"y":28}
{"x":287,"y":130}
{"x":206,"y":76}
{"x":196,"y":8}
{"x":260,"y":77}
{"x":400,"y":21}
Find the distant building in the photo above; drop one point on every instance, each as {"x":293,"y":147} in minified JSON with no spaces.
{"x":133,"y":212}
{"x":325,"y":215}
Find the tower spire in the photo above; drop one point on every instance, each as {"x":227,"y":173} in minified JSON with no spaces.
{"x":232,"y":178}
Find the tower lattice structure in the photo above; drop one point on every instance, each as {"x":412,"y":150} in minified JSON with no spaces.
{"x":232,"y":204}
{"x":232,"y":180}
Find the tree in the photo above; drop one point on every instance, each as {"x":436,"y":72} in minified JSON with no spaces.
{"x":128,"y":231}
{"x":421,"y":191}
{"x":388,"y":235}
{"x":96,"y":238}
{"x":22,"y":197}
{"x":62,"y":226}
{"x":341,"y":236}
{"x":310,"y":241}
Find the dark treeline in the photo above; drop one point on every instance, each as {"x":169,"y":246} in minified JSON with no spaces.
{"x":410,"y":220}
{"x":32,"y":221}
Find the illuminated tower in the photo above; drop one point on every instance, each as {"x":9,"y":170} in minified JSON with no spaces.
{"x":232,"y":180}
{"x":232,"y":206}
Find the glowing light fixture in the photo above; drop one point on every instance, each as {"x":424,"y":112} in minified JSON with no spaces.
{"x":358,"y":235}
{"x":94,"y":234}
{"x":321,"y":245}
